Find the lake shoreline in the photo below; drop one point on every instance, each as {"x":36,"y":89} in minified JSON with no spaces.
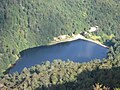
{"x":68,"y":39}
{"x":75,"y":37}
{"x":77,"y":51}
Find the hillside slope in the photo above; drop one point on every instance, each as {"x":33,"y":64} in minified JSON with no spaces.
{"x":69,"y":75}
{"x":29,"y":23}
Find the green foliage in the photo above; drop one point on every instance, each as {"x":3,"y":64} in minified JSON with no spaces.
{"x":60,"y":75}
{"x":29,"y":23}
{"x":70,"y":75}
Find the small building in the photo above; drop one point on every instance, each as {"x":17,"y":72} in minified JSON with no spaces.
{"x":62,"y":37}
{"x":55,"y":39}
{"x":93,"y":29}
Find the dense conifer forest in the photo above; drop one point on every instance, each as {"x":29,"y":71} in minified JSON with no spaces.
{"x":30,"y":23}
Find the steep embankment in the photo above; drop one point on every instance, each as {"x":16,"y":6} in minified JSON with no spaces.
{"x":30,"y":23}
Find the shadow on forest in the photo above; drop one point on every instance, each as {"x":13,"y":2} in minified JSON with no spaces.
{"x":86,"y":80}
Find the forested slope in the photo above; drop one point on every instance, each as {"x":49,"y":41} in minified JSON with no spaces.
{"x":60,"y":75}
{"x":30,"y":23}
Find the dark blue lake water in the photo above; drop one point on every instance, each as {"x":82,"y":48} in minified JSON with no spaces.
{"x":77,"y":51}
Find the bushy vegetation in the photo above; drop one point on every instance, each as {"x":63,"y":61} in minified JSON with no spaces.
{"x":30,"y":23}
{"x":61,"y":75}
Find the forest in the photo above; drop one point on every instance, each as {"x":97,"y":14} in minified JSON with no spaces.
{"x":30,"y":23}
{"x":61,"y":75}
